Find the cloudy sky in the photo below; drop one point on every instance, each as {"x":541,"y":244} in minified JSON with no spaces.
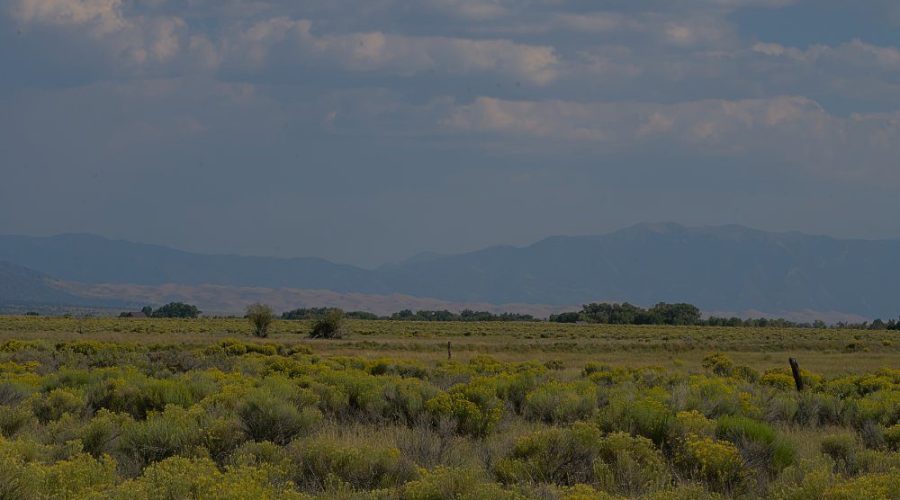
{"x":368,"y":131}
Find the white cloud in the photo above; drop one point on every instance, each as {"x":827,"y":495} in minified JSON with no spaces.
{"x":790,"y":128}
{"x":295,"y":41}
{"x":101,"y":16}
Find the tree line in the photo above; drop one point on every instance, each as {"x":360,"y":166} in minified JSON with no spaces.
{"x":409,"y":315}
{"x":690,"y":315}
{"x":679,"y":314}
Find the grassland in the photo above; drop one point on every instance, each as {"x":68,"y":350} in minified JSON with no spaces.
{"x":826,"y":351}
{"x":141,"y":408}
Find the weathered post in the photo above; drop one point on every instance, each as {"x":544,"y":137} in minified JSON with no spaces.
{"x":449,"y":352}
{"x":795,"y":370}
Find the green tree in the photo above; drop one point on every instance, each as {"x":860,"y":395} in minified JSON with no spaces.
{"x":177,"y":310}
{"x":261,"y":317}
{"x":329,"y":326}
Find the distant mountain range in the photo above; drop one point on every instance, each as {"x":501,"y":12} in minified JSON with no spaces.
{"x":23,"y":289}
{"x":723,"y":268}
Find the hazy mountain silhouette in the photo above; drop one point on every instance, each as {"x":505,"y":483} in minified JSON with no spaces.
{"x":724,"y":268}
{"x":26,"y":288}
{"x":94,"y":259}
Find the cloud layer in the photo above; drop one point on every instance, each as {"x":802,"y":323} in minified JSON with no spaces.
{"x":413,"y":99}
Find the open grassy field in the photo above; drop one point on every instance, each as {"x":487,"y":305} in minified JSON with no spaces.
{"x":154,"y":408}
{"x":826,"y":351}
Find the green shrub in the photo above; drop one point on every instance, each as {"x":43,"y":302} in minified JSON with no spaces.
{"x":892,"y":437}
{"x":693,"y":422}
{"x":719,"y":364}
{"x":180,"y":477}
{"x":101,"y":434}
{"x":222,"y":435}
{"x":474,"y":407}
{"x":580,"y":454}
{"x":12,"y":393}
{"x":557,"y":402}
{"x":359,"y":465}
{"x":257,"y":454}
{"x":806,"y":480}
{"x":57,"y":403}
{"x":843,"y":449}
{"x":17,"y":479}
{"x":448,"y":482}
{"x":515,"y":387}
{"x":646,"y":417}
{"x":760,"y":445}
{"x":717,"y":463}
{"x":329,"y":326}
{"x":884,"y":486}
{"x":162,"y":435}
{"x":746,"y":374}
{"x":14,"y":418}
{"x":404,"y":399}
{"x":265,"y":417}
{"x":563,"y":456}
{"x":630,"y":466}
{"x":583,"y":492}
{"x":78,"y":477}
{"x":260,"y":317}
{"x":778,"y":380}
{"x":882,"y":407}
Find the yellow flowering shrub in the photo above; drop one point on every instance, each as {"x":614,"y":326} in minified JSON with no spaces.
{"x":716,"y":463}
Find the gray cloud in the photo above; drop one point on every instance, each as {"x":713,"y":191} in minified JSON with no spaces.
{"x":440,"y":124}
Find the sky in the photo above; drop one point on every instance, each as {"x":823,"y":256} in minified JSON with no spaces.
{"x":368,"y":131}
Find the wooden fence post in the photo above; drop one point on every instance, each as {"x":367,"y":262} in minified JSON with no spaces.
{"x":795,"y":370}
{"x":449,"y":352}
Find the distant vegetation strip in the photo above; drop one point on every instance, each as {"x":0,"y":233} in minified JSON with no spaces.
{"x":599,"y":313}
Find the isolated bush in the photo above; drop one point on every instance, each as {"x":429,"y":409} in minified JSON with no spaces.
{"x":329,"y":326}
{"x":261,"y":317}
